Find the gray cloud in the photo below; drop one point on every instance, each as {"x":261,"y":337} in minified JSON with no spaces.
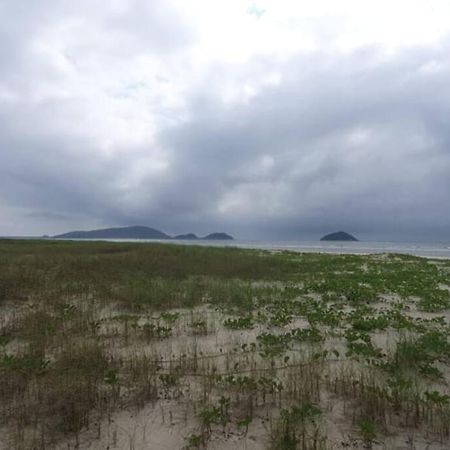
{"x":304,"y":144}
{"x":352,"y":145}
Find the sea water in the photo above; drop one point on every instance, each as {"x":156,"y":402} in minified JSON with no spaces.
{"x":427,"y":249}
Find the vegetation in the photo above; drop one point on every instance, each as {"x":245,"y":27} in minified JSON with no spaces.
{"x":238,"y":343}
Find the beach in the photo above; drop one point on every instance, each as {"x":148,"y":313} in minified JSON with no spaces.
{"x":126,"y":345}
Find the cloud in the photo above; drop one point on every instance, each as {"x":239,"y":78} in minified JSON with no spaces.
{"x":337,"y":142}
{"x":121,"y":114}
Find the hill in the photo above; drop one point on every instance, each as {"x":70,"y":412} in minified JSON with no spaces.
{"x":218,"y":236}
{"x":186,"y":237}
{"x":135,"y":232}
{"x":339,"y":236}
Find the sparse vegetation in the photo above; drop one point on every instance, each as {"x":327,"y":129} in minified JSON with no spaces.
{"x":230,"y":343}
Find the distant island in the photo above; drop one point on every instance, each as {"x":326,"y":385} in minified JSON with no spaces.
{"x":339,"y":236}
{"x":209,"y":237}
{"x":187,"y":237}
{"x":137,"y":232}
{"x":218,"y":236}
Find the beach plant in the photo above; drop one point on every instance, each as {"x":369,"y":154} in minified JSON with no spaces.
{"x":435,"y":301}
{"x":244,"y":423}
{"x":216,"y":414}
{"x":240,"y":323}
{"x":199,"y":326}
{"x":311,"y":335}
{"x":195,"y":441}
{"x":273,"y":344}
{"x":359,"y":344}
{"x":169,"y":317}
{"x":298,"y":428}
{"x":368,"y":432}
{"x":153,"y":331}
{"x":281,"y":318}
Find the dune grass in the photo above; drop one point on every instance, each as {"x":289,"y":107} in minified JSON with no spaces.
{"x":84,"y":327}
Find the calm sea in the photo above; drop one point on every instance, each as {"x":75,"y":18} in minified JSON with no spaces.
{"x":428,"y":249}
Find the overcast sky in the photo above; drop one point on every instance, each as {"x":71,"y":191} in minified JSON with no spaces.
{"x":276,"y":118}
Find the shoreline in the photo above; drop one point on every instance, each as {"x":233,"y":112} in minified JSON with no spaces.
{"x":429,"y":250}
{"x":328,"y":248}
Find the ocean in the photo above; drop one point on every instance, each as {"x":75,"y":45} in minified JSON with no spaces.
{"x":425,"y":249}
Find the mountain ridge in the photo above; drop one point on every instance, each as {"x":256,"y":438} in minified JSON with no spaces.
{"x":136,"y":232}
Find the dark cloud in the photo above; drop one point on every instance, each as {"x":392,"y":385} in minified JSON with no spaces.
{"x":272,"y":148}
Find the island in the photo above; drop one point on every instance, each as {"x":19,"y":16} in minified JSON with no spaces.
{"x":186,"y":237}
{"x":339,"y":236}
{"x":136,"y":232}
{"x":218,"y":236}
{"x":209,"y":237}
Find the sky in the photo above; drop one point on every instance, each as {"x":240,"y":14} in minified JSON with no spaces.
{"x":267,"y":119}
